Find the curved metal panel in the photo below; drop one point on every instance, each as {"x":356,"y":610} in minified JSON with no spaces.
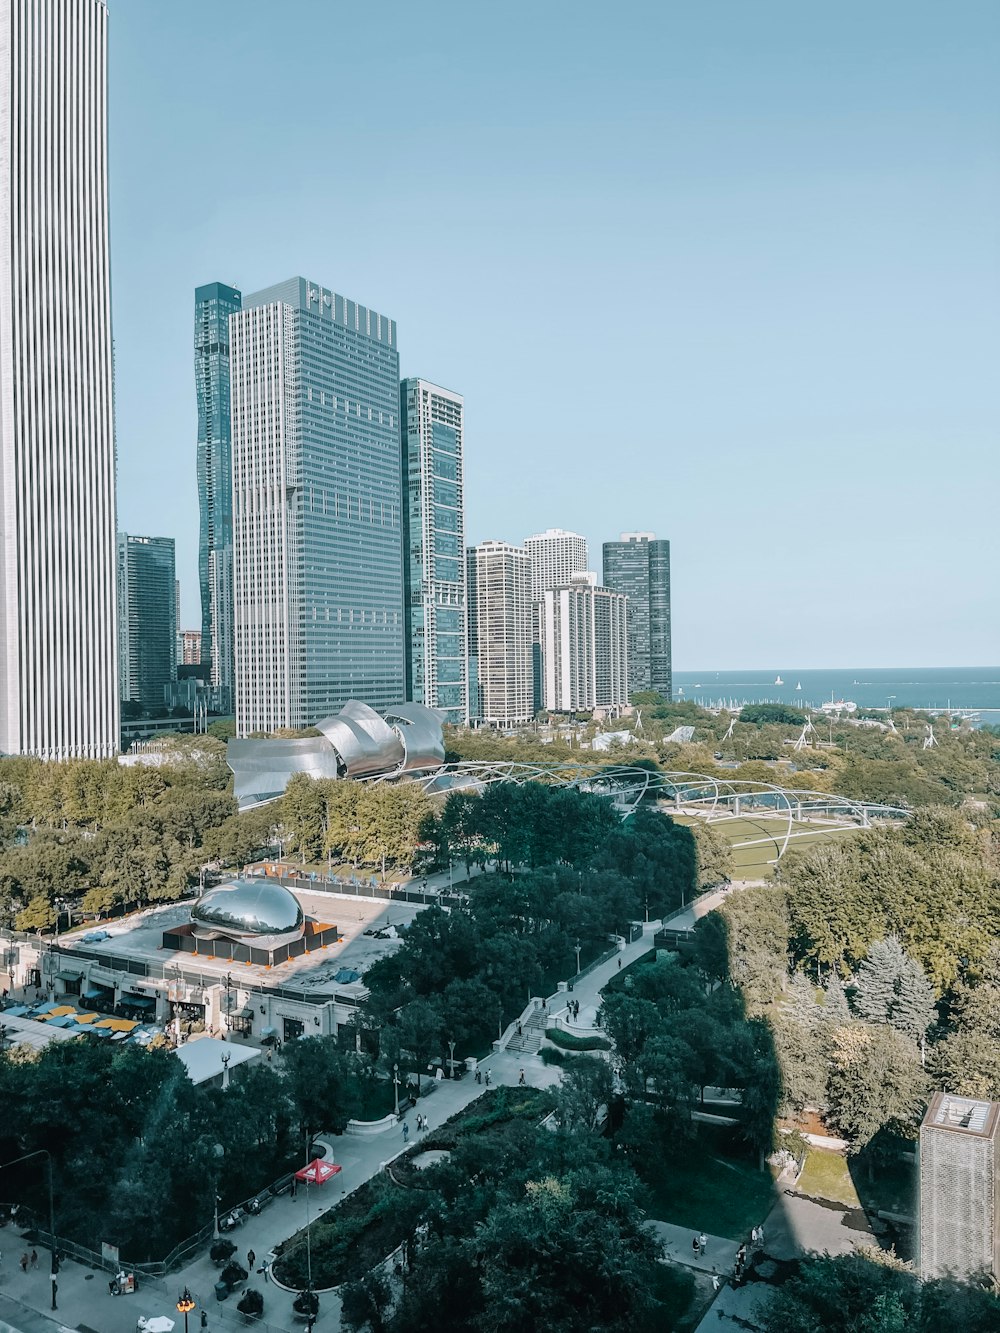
{"x":258,"y":913}
{"x":366,"y":745}
{"x":262,"y":768}
{"x":420,"y":730}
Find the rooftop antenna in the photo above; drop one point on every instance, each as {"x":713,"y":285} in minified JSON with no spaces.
{"x":929,"y":741}
{"x":638,"y":721}
{"x":729,"y":733}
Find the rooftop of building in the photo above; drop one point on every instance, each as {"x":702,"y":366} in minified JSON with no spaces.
{"x":963,"y":1115}
{"x":139,"y":939}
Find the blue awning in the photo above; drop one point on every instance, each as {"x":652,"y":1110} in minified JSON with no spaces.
{"x":269,"y":1032}
{"x":95,"y":992}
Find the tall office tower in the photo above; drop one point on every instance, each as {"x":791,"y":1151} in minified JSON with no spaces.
{"x":317,"y":492}
{"x":213,"y":304}
{"x":639,"y":566}
{"x":500,"y":633}
{"x":434,"y":582}
{"x":555,"y":557}
{"x":584,"y":647}
{"x":58,"y":637}
{"x":147,"y":620}
{"x":959,"y":1188}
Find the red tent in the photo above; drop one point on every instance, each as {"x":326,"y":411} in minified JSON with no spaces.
{"x":317,"y":1172}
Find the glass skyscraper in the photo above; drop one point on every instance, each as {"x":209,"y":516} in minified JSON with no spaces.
{"x":433,"y":548}
{"x":317,"y":507}
{"x":213,"y":304}
{"x":639,"y":566}
{"x":147,"y":620}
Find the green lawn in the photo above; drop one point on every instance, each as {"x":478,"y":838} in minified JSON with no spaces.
{"x":757,"y":862}
{"x":826,"y":1175}
{"x":699,"y":1190}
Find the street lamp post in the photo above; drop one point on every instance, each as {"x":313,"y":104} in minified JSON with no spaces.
{"x":185,"y":1304}
{"x":225,"y":1069}
{"x":451,"y":1061}
{"x":577,"y":947}
{"x":395,"y":1085}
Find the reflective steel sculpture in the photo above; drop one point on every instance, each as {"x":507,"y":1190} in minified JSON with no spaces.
{"x":354,"y":743}
{"x":256,"y":912}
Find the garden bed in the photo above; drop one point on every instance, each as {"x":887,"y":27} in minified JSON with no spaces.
{"x":366,"y":1227}
{"x":572,"y":1041}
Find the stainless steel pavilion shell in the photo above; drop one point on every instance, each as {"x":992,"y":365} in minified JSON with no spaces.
{"x":367,"y":746}
{"x":354,"y":743}
{"x":256,"y":912}
{"x":422,"y":737}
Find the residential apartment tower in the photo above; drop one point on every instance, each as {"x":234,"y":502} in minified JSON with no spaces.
{"x":584,"y":647}
{"x":500,"y":633}
{"x":434,"y":574}
{"x":639,"y":567}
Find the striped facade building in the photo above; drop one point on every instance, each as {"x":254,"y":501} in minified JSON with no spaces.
{"x":58,"y":638}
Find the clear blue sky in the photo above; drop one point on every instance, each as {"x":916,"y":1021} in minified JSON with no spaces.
{"x":725,"y":271}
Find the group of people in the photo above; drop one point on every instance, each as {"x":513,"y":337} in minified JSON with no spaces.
{"x":479,"y":1077}
{"x":423,"y":1124}
{"x":698,"y":1245}
{"x":574,"y":1008}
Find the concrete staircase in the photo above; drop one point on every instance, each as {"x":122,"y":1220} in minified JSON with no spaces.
{"x":532,"y":1032}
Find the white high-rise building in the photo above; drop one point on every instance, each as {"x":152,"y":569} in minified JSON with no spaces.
{"x":584,"y":641}
{"x":555,"y":557}
{"x":58,"y":635}
{"x":499,"y":578}
{"x":432,"y":423}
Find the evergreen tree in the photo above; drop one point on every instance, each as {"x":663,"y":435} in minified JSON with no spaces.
{"x":836,"y":1009}
{"x":913,"y":1011}
{"x":800,"y":1003}
{"x":875,"y":991}
{"x":892,"y":988}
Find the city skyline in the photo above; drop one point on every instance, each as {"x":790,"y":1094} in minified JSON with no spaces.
{"x":795,"y":207}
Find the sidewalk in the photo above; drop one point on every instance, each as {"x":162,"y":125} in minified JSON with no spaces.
{"x":719,"y":1256}
{"x":84,"y":1300}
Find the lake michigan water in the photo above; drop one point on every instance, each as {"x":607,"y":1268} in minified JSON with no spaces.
{"x":907,"y":687}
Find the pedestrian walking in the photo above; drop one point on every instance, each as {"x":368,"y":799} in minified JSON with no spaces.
{"x":406,"y":1132}
{"x":34,"y":1258}
{"x":520,"y":1079}
{"x":518,"y":1027}
{"x":488,"y":1078}
{"x":619,"y":964}
{"x":479,"y":1076}
{"x":695,"y":1247}
{"x":716,"y":1282}
{"x":251,"y":1260}
{"x":703,"y":1242}
{"x":24,"y":1262}
{"x":760,"y":1235}
{"x":295,"y":1187}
